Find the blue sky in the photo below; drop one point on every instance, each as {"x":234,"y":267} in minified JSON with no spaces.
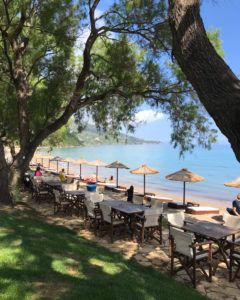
{"x":222,"y":14}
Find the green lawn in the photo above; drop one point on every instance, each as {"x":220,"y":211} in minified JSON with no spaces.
{"x":42,"y":261}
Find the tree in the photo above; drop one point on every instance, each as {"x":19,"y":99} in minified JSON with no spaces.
{"x":43,"y":82}
{"x":217,"y":86}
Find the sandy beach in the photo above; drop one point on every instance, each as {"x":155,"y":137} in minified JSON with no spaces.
{"x":202,"y":200}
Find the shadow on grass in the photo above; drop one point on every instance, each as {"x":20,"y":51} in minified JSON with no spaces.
{"x":42,"y":261}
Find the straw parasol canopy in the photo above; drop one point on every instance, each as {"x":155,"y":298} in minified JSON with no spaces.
{"x":42,"y":157}
{"x":97,"y":163}
{"x":117,"y":165}
{"x":57,"y":159}
{"x":184,"y":175}
{"x":81,"y":162}
{"x":69,"y":160}
{"x":144,"y":170}
{"x":234,"y":183}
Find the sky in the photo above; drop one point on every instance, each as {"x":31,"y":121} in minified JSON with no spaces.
{"x":222,"y":14}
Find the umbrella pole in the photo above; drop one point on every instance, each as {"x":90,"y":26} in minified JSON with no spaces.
{"x":57,"y":166}
{"x":80,"y":170}
{"x":184,"y":192}
{"x":42,"y":162}
{"x":144,"y":184}
{"x":117,"y":177}
{"x":68,"y":168}
{"x":49,"y":163}
{"x":96,"y":173}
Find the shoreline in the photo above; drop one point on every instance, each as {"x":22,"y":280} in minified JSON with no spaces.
{"x":201,"y":199}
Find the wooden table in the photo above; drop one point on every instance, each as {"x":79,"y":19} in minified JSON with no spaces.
{"x":213,"y":231}
{"x":128,"y":210}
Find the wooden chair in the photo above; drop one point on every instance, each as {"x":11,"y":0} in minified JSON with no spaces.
{"x":111,"y":220}
{"x":176,"y":219}
{"x":60,"y":204}
{"x":186,"y":250}
{"x":40,"y":192}
{"x":149,"y":225}
{"x":92,"y":215}
{"x":234,"y":222}
{"x":234,"y":267}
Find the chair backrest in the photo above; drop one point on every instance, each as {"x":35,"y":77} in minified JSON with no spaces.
{"x":152,"y":216}
{"x":57,"y":195}
{"x":183,"y":241}
{"x":156,"y":203}
{"x":231,"y":221}
{"x":94,"y":196}
{"x":90,"y":206}
{"x":106,"y":212}
{"x":176,"y":219}
{"x":69,"y":186}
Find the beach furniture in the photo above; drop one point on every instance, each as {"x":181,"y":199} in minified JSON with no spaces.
{"x":176,"y":219}
{"x":189,"y":254}
{"x":60,"y":204}
{"x":92,"y":215}
{"x":234,"y":222}
{"x":111,"y":220}
{"x":234,"y":268}
{"x":214,"y":232}
{"x":184,"y":176}
{"x":201,"y":210}
{"x":149,"y":225}
{"x":97,"y":164}
{"x":144,"y":170}
{"x":117,"y":165}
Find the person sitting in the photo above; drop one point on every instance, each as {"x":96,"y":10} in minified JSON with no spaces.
{"x":235,"y":210}
{"x":62,"y":176}
{"x":38,"y":171}
{"x":130,"y":192}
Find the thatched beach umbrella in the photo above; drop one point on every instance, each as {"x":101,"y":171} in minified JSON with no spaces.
{"x":68,"y":161}
{"x":57,"y":159}
{"x":36,"y":156}
{"x":81,"y":162}
{"x":234,"y":183}
{"x":117,"y":165}
{"x":46,"y":157}
{"x":97,"y":163}
{"x":144,"y":170}
{"x":184,"y":175}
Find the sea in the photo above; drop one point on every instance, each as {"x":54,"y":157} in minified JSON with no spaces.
{"x":217,"y":166}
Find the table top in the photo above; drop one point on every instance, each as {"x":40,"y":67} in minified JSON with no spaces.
{"x":76,"y":192}
{"x":125,"y":207}
{"x":211,"y":230}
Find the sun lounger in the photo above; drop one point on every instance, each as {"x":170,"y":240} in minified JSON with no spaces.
{"x":202,"y":210}
{"x":159,"y":199}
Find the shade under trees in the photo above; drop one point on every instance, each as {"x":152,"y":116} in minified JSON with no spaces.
{"x":59,"y":58}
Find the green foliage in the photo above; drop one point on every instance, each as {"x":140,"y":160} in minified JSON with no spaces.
{"x":214,"y":37}
{"x":127,"y":67}
{"x":43,"y":261}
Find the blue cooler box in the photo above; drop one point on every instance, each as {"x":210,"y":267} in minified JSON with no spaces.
{"x":91,"y":187}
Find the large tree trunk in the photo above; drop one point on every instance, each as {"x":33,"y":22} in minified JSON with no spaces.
{"x":5,"y":197}
{"x":216,"y":85}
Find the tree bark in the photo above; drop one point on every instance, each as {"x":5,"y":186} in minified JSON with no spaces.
{"x":216,"y":85}
{"x":5,"y":197}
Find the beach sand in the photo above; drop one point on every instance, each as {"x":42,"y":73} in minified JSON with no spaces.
{"x":202,"y":200}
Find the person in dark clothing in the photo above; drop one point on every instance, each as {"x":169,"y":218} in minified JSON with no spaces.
{"x":235,"y":210}
{"x":130,"y":192}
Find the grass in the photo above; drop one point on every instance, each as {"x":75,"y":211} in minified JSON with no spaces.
{"x":42,"y":261}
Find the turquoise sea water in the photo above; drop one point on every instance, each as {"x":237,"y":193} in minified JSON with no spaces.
{"x":216,"y":166}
